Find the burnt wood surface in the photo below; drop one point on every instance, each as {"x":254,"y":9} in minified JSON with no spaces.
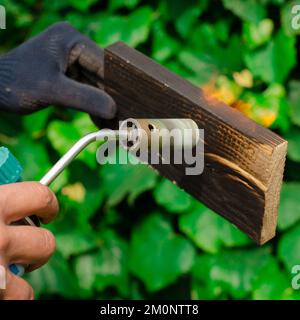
{"x":244,"y":161}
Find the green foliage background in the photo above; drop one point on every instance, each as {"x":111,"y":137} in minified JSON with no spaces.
{"x":123,"y":231}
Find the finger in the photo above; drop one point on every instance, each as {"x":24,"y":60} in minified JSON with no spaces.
{"x":3,"y":270}
{"x":17,"y":289}
{"x":2,"y":277}
{"x":78,"y":47}
{"x":89,"y":56}
{"x":19,"y":200}
{"x":30,"y":245}
{"x":84,"y":97}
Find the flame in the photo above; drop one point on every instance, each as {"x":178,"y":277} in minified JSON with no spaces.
{"x":226,"y":94}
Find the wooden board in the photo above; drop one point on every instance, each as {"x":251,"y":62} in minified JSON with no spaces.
{"x":244,"y":161}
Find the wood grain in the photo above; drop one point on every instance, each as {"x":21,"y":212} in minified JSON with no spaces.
{"x":244,"y":161}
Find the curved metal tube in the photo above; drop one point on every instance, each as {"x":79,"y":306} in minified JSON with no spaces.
{"x":65,"y":160}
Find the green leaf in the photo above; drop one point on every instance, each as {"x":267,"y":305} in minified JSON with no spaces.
{"x":157,"y":255}
{"x":275,"y":95}
{"x":269,"y":108}
{"x":36,"y":122}
{"x":178,"y":68}
{"x":74,"y":242}
{"x":289,"y":248}
{"x":55,"y":277}
{"x":248,"y":10}
{"x":271,"y":283}
{"x":232,"y":56}
{"x":188,"y":18}
{"x":200,"y":291}
{"x":109,"y":218}
{"x":164,"y":46}
{"x":70,"y":219}
{"x":274,"y":62}
{"x":107,"y":267}
{"x":43,"y":21}
{"x":60,"y":181}
{"x":203,"y":70}
{"x":33,"y":157}
{"x":287,"y":18}
{"x":121,"y":180}
{"x":82,"y":5}
{"x":55,"y":5}
{"x":208,"y":44}
{"x":289,"y":209}
{"x":92,"y":193}
{"x":63,"y":135}
{"x":83,"y":123}
{"x":222,"y":30}
{"x":22,"y":18}
{"x":117,"y":4}
{"x":275,"y":2}
{"x":133,"y":29}
{"x":209,"y":231}
{"x":172,"y":10}
{"x":294,"y":101}
{"x":110,"y":30}
{"x":139,"y":25}
{"x":171,"y":197}
{"x":293,"y":137}
{"x":205,"y":46}
{"x":257,"y":34}
{"x":78,"y":21}
{"x":230,"y":273}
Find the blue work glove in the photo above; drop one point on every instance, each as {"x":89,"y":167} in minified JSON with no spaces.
{"x":36,"y":74}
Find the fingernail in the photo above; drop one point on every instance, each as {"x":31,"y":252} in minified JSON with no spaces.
{"x":2,"y":278}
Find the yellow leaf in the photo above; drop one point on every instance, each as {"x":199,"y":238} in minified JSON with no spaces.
{"x":222,"y":89}
{"x":267,"y":117}
{"x":244,"y":78}
{"x":75,"y":191}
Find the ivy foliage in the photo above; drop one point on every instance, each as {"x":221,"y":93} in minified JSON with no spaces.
{"x":125,"y":232}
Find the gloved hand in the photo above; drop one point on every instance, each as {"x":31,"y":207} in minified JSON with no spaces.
{"x":33,"y":75}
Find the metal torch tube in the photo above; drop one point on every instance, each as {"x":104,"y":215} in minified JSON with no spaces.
{"x":65,"y":160}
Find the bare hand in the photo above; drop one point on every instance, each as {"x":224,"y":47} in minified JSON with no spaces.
{"x":26,"y":245}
